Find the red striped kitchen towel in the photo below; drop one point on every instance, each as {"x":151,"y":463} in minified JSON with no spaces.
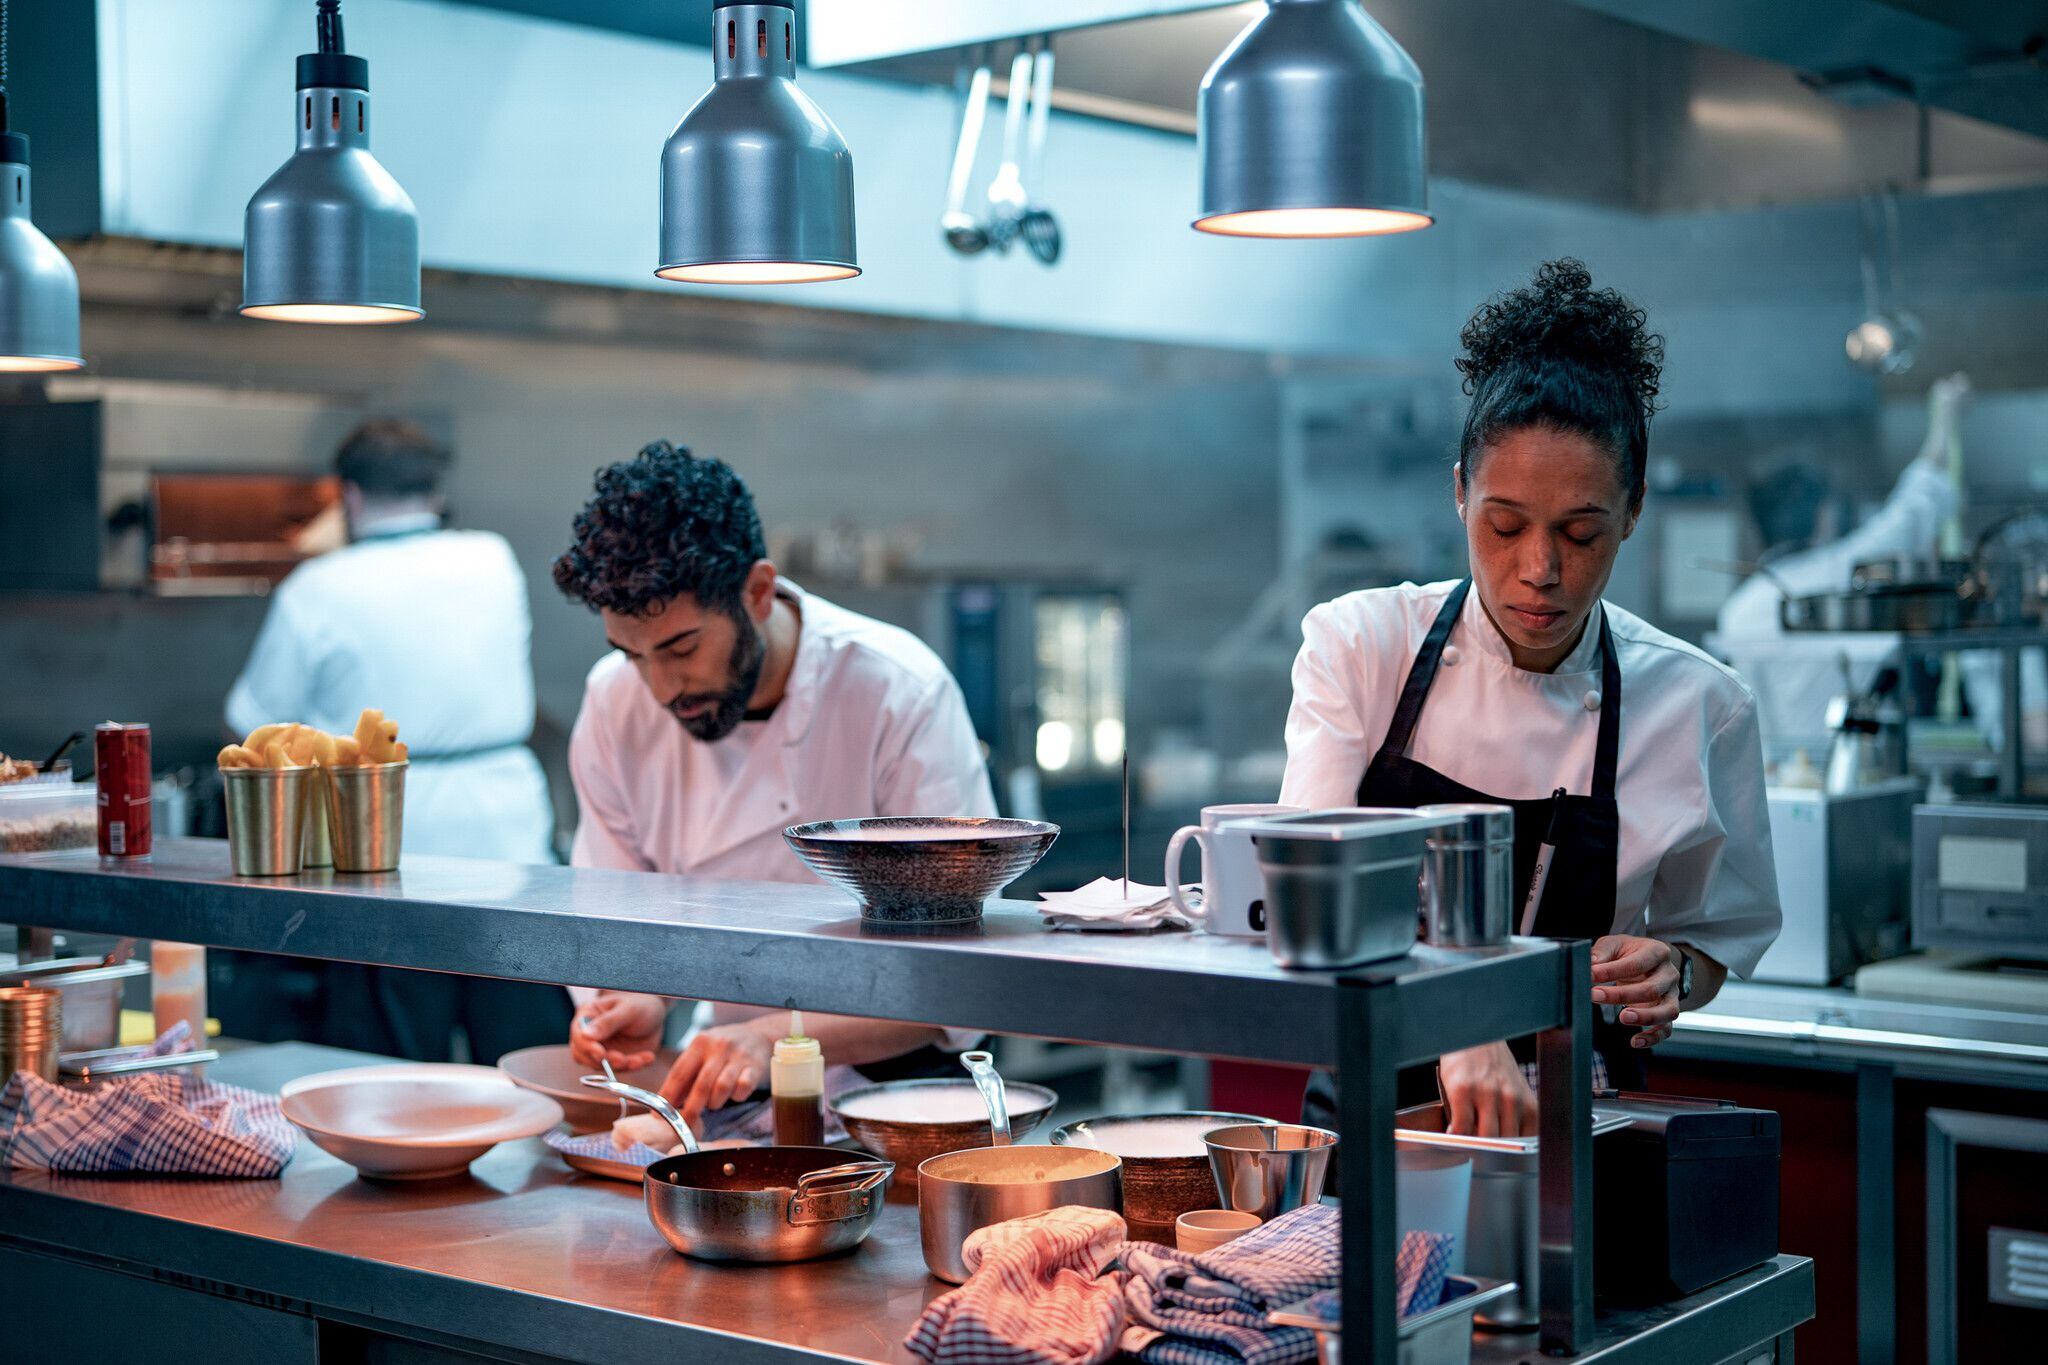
{"x":1035,"y":1295}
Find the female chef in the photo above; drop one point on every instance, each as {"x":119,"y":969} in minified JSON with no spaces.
{"x":1634,"y":754}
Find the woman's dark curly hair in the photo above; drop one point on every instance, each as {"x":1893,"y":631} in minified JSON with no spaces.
{"x":1563,"y":355}
{"x":662,"y":524}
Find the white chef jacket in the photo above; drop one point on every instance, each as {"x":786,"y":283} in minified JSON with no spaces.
{"x":1695,"y":853}
{"x":1796,"y":674}
{"x":432,"y":628}
{"x":870,"y":723}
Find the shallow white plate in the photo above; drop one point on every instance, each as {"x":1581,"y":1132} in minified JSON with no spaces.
{"x":552,"y":1070}
{"x":414,"y":1121}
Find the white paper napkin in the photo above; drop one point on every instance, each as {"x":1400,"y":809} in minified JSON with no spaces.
{"x":1110,"y":904}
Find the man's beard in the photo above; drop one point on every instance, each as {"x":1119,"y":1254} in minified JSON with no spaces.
{"x":743,"y":673}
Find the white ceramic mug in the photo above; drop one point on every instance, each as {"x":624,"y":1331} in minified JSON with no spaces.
{"x":1233,"y":889}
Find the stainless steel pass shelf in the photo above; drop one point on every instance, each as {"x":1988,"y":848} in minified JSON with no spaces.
{"x":525,"y":1259}
{"x":787,"y":945}
{"x":777,"y":944}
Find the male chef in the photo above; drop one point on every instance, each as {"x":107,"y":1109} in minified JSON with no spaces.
{"x":734,"y":704}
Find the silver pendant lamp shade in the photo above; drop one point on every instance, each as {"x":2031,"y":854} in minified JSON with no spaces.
{"x":331,"y":237}
{"x":38,"y":287}
{"x":756,"y":182}
{"x":1310,"y":125}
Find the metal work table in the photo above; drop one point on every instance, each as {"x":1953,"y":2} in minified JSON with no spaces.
{"x":531,"y":1258}
{"x":1834,"y":1027}
{"x":796,"y":945}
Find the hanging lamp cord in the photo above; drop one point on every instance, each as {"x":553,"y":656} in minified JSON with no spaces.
{"x":326,"y":25}
{"x":3,"y":65}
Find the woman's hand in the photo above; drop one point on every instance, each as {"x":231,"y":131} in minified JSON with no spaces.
{"x":1641,"y":975}
{"x":1485,"y":1094}
{"x":720,"y":1065}
{"x":621,"y":1026}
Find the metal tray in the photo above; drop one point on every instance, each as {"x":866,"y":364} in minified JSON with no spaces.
{"x":1441,"y":1336}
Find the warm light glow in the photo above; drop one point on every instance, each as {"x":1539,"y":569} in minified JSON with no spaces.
{"x":1108,"y":740}
{"x":758,"y":272}
{"x":1313,"y":222}
{"x":1055,"y":745}
{"x":37,"y":364}
{"x":1870,"y":342}
{"x":359,"y":314}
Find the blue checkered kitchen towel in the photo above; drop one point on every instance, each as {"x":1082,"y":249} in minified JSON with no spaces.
{"x":1210,"y":1309}
{"x":154,"y":1123}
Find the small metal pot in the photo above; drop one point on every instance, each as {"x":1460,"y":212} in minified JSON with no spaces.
{"x":765,"y":1203}
{"x":962,"y":1191}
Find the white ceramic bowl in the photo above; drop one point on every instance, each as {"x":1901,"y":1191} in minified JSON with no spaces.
{"x":1201,"y":1230}
{"x":552,"y":1070}
{"x":414,"y":1121}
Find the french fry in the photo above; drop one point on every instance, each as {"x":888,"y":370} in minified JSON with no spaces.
{"x":263,"y":734}
{"x":240,"y":756}
{"x":399,"y":753}
{"x":302,"y":746}
{"x":274,"y":755}
{"x":322,"y":745}
{"x":367,"y":727}
{"x":347,"y":752}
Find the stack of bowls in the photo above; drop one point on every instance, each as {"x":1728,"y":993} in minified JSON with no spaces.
{"x":31,"y":1027}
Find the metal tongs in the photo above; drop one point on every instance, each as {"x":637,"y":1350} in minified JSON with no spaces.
{"x":982,"y":1066}
{"x":87,"y":1067}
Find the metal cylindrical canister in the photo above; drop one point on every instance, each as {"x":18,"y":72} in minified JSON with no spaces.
{"x":267,"y":819}
{"x":365,"y":815}
{"x":122,"y":769}
{"x":1468,"y":877}
{"x":318,"y":848}
{"x":31,"y":1030}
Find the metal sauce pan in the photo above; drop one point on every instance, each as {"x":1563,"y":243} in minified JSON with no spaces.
{"x":961,"y":1192}
{"x":765,"y":1203}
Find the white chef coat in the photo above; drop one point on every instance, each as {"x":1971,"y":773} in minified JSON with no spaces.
{"x":432,"y":628}
{"x":1695,"y":854}
{"x":1796,"y":674}
{"x":870,"y":723}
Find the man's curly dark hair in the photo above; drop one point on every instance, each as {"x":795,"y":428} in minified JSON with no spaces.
{"x":662,"y":524}
{"x":1564,"y":355}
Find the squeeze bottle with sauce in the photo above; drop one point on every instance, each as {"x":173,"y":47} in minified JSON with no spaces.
{"x":796,"y":1085}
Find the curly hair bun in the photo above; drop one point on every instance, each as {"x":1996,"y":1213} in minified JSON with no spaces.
{"x":1560,"y":319}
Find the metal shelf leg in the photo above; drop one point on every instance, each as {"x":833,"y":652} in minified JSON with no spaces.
{"x":1564,"y":1058}
{"x":1366,"y":1070}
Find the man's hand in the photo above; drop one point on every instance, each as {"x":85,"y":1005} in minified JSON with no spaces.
{"x":1641,"y":975}
{"x":1485,"y":1094}
{"x":722,"y":1064}
{"x":621,"y":1026}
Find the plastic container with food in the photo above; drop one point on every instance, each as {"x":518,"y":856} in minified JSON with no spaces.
{"x":39,"y":814}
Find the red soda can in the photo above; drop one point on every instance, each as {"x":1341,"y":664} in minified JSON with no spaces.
{"x":121,"y":758}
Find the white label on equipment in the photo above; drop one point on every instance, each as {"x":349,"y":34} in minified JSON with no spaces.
{"x":1983,"y":864}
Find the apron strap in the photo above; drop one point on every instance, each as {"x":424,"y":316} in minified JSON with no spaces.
{"x":1422,"y":673}
{"x":1607,"y":752}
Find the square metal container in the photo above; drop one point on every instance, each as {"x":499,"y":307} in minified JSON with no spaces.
{"x":1343,"y":886}
{"x":1440,"y":1336}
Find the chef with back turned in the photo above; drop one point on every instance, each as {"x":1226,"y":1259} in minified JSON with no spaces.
{"x":734,"y":704}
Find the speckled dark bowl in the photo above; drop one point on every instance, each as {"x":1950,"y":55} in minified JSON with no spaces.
{"x":1157,"y":1189}
{"x":918,"y":869}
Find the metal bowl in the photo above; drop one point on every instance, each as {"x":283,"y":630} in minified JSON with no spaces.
{"x":910,"y":1141}
{"x":1158,"y":1186}
{"x":918,"y":869}
{"x":765,"y":1203}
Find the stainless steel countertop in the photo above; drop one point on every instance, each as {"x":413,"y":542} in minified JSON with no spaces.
{"x":782,"y":945}
{"x":526,"y":1255}
{"x":1834,"y":1025}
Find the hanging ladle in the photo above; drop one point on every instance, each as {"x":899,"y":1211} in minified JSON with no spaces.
{"x":962,"y":230}
{"x":652,"y":1101}
{"x":982,"y":1066}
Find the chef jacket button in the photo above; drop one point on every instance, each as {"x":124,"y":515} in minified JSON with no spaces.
{"x":1592,"y":701}
{"x":1450,"y":654}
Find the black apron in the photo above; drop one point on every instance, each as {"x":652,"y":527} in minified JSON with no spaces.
{"x":1579,"y":893}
